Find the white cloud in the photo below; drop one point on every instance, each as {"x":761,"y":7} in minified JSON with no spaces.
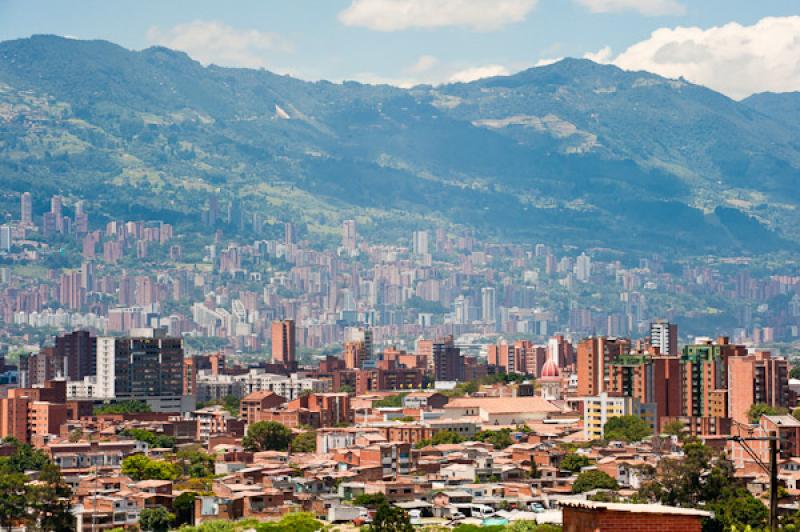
{"x":424,"y":64}
{"x":602,"y":56}
{"x":220,"y":44}
{"x":396,"y":15}
{"x":471,"y":74}
{"x":547,"y":61}
{"x":645,"y":7}
{"x":733,"y":59}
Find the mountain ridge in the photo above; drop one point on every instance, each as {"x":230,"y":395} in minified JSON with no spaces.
{"x":573,"y":152}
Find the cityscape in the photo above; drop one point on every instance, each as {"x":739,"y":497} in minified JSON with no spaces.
{"x":399,"y":265}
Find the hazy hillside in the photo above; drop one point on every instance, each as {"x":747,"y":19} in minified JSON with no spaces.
{"x":572,"y":152}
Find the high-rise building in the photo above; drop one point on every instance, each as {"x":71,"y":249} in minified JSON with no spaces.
{"x":583,"y":267}
{"x":664,"y":336}
{"x":26,"y":209}
{"x":448,"y":362}
{"x":355,"y":354}
{"x":148,"y":365}
{"x":77,"y":350}
{"x":756,"y":378}
{"x":419,"y":243}
{"x":488,"y":305}
{"x":349,"y":235}
{"x":289,"y":235}
{"x":70,"y":293}
{"x":704,"y":390}
{"x":283,"y":343}
{"x":5,"y":238}
{"x":650,"y":380}
{"x":363,"y":336}
{"x":594,"y":355}
{"x":57,"y":212}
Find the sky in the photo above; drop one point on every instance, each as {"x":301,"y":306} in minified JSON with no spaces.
{"x":737,"y":47}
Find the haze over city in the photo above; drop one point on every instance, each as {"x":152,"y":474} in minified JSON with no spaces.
{"x":514,"y":265}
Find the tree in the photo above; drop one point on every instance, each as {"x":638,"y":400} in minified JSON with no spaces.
{"x":141,"y":467}
{"x":156,"y":519}
{"x":14,"y":502}
{"x":183,"y":505}
{"x":42,"y":505}
{"x":123,"y":407}
{"x":675,"y":428}
{"x":305,"y":442}
{"x":762,"y":409}
{"x":195,"y":462}
{"x":444,"y":437}
{"x":626,"y":428}
{"x":592,"y":480}
{"x":267,"y":436}
{"x":392,"y":401}
{"x":574,"y":462}
{"x":795,"y":372}
{"x":390,"y":519}
{"x":370,"y":500}
{"x":500,"y":439}
{"x":153,"y":439}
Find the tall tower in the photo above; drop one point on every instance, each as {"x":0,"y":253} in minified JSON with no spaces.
{"x":349,"y":235}
{"x":283,"y":343}
{"x":488,"y":305}
{"x":58,"y":215}
{"x":664,"y":336}
{"x":26,"y":208}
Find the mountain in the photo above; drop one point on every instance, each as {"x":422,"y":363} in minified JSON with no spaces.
{"x":783,"y":107}
{"x":571,"y":153}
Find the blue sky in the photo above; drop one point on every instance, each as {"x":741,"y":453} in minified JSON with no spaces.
{"x":735,"y":46}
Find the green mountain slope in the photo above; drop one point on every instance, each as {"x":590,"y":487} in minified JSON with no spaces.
{"x":570,"y":153}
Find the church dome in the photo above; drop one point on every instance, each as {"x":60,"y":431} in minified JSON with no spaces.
{"x":550,"y":370}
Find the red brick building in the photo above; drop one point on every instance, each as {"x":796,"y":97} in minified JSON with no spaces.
{"x":589,"y":516}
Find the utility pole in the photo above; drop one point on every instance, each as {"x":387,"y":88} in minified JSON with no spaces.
{"x":773,"y":484}
{"x":771,"y":470}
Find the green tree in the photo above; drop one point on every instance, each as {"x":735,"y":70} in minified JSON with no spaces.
{"x":390,"y":519}
{"x":267,"y":436}
{"x":14,"y":502}
{"x":592,"y":480}
{"x":195,"y":462}
{"x":794,"y":373}
{"x":305,"y":442}
{"x":50,"y":501}
{"x":626,"y":428}
{"x":574,"y":462}
{"x":183,"y":505}
{"x":141,"y":467}
{"x":762,"y":409}
{"x":443,"y":437}
{"x":123,"y":407}
{"x":674,"y":428}
{"x":500,"y":439}
{"x":156,"y":519}
{"x":154,"y":440}
{"x":370,"y":500}
{"x":392,"y":401}
{"x":42,"y":505}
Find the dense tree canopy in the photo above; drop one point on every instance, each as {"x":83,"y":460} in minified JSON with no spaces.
{"x":592,"y":480}
{"x":305,"y":442}
{"x":574,"y":462}
{"x":267,"y":436}
{"x":141,"y":467}
{"x":762,"y":409}
{"x":156,"y":519}
{"x":43,"y":505}
{"x":626,"y":428}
